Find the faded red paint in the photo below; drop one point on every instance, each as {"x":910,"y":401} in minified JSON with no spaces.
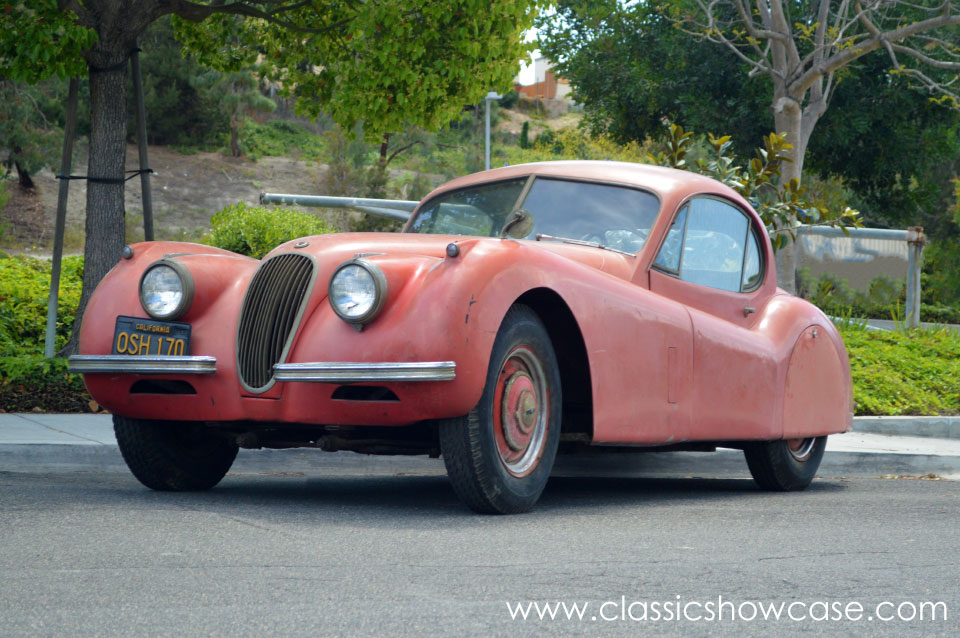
{"x":669,"y":361}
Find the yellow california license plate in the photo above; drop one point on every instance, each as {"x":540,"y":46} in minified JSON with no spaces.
{"x":141,"y":337}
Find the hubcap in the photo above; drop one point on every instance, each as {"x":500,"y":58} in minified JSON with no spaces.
{"x":520,"y":423}
{"x":800,"y":449}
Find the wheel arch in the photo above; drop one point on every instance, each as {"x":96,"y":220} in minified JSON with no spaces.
{"x":571,"y":351}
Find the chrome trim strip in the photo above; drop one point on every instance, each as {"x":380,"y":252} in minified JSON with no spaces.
{"x":153,"y":364}
{"x":346,"y":372}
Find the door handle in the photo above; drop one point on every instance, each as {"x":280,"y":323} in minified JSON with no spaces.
{"x":748,"y":310}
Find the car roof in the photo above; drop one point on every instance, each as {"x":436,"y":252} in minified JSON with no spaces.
{"x":669,"y":183}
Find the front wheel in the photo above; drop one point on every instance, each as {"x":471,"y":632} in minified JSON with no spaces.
{"x":171,"y":456}
{"x":499,"y":456}
{"x":785,"y":465}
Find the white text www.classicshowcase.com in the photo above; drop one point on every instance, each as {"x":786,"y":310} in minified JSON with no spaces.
{"x":726,"y":611}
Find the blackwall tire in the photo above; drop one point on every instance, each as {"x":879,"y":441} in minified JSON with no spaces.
{"x":171,"y":456}
{"x":785,"y":465}
{"x":499,"y":456}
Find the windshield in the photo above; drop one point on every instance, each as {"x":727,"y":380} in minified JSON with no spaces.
{"x":614,"y":216}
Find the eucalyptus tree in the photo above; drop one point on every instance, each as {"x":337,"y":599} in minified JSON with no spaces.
{"x":804,"y":46}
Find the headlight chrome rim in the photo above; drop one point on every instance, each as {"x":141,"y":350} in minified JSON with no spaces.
{"x":186,"y":284}
{"x":380,"y":291}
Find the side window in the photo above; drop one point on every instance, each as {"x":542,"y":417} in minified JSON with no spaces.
{"x":752,"y":266}
{"x":669,"y":256}
{"x":711,"y":244}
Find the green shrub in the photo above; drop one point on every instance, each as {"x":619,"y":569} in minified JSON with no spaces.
{"x":884,"y":299}
{"x":904,"y":372}
{"x":31,"y":382}
{"x":280,"y":137}
{"x":255,"y":230}
{"x":24,"y":291}
{"x":525,"y":135}
{"x":509,"y":99}
{"x":941,"y":273}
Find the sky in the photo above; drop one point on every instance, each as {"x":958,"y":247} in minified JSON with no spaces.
{"x":526,"y":70}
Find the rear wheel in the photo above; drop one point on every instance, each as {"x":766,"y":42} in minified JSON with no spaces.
{"x":785,"y":465}
{"x":499,"y":456}
{"x":173,"y":456}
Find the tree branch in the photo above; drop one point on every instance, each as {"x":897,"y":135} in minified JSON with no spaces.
{"x":937,"y":64}
{"x":863,"y":47}
{"x":402,"y":149}
{"x":194,"y":12}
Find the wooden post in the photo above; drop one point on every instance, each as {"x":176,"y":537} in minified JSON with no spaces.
{"x":146,"y":196}
{"x":66,"y":165}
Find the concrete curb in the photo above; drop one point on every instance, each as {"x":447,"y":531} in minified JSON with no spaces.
{"x":937,"y":427}
{"x":27,"y":458}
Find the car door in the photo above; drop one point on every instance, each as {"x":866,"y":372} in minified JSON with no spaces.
{"x":639,"y":345}
{"x":715,"y":261}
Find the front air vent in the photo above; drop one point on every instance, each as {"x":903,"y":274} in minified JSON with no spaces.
{"x":272,"y":308}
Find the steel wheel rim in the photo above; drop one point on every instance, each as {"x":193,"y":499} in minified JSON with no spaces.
{"x":521,"y":411}
{"x":800,"y":449}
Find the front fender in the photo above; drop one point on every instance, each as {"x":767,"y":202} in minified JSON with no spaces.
{"x":220,"y":278}
{"x":446,"y":309}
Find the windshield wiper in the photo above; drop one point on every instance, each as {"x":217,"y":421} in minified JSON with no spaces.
{"x":583,"y":242}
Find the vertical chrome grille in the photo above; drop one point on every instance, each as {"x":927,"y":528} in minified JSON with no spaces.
{"x":271,"y":310}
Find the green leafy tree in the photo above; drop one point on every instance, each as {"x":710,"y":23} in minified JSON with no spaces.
{"x":178,"y":112}
{"x":29,"y":140}
{"x":804,"y":48}
{"x":386,"y":64}
{"x":238,"y":95}
{"x":631,"y":68}
{"x":895,"y":148}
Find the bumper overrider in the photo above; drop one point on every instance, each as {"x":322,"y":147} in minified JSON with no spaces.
{"x":315,"y":372}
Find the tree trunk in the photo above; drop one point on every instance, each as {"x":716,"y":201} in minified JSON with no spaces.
{"x":377,"y":177}
{"x":787,"y":118}
{"x":797,"y":123}
{"x":23,"y":177}
{"x":105,"y":225}
{"x":235,"y":135}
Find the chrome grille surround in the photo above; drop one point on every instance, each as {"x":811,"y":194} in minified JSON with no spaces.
{"x":272,"y":309}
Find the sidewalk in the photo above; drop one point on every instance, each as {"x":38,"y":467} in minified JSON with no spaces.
{"x":52,"y":442}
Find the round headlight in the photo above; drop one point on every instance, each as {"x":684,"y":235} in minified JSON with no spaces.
{"x":166,"y":290}
{"x":357,"y":290}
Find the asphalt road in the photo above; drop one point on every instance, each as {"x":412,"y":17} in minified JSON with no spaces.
{"x":392,"y":552}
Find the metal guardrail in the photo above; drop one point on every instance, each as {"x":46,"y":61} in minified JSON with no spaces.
{"x":915,"y":240}
{"x":398,"y":209}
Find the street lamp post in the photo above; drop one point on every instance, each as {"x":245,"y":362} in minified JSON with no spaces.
{"x":492,"y":95}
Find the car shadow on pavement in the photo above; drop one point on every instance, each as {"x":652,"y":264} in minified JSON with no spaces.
{"x":401,"y":498}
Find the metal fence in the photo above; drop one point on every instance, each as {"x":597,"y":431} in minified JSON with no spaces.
{"x":914,"y":240}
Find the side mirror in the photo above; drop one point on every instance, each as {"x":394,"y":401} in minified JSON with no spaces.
{"x":519,"y":224}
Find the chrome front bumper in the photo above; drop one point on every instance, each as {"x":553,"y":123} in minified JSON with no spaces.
{"x":316,"y":372}
{"x":154,"y":364}
{"x":341,"y":372}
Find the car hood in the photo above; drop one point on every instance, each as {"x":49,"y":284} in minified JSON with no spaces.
{"x":331,"y":250}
